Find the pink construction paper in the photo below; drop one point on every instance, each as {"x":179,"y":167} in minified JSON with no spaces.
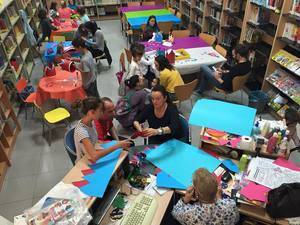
{"x":286,"y":163}
{"x":255,"y":192}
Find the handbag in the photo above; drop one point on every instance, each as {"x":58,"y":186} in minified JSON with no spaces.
{"x":284,"y":201}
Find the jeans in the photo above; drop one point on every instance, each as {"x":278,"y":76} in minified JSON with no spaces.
{"x":92,"y":90}
{"x":207,"y":79}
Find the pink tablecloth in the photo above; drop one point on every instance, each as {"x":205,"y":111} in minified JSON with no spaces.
{"x":187,"y":42}
{"x":64,"y":85}
{"x":140,"y":8}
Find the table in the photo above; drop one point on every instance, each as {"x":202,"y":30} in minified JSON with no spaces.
{"x":50,"y":57}
{"x":136,"y":23}
{"x":147,"y":13}
{"x":64,"y":85}
{"x":200,"y":52}
{"x":65,"y":29}
{"x":140,"y":8}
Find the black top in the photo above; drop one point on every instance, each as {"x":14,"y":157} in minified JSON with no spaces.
{"x":148,"y":33}
{"x":47,"y":27}
{"x":240,"y":69}
{"x":170,"y":119}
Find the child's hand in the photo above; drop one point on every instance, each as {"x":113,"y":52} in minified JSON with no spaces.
{"x":188,"y":194}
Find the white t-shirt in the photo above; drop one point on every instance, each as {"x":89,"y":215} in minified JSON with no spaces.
{"x":140,"y":68}
{"x":87,"y":65}
{"x":81,"y":132}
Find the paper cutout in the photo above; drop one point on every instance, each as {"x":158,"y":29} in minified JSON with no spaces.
{"x":230,"y":165}
{"x":286,"y":163}
{"x":87,"y":171}
{"x":180,"y":160}
{"x":80,"y":183}
{"x":224,"y":116}
{"x":255,"y":192}
{"x":103,"y":168}
{"x":166,"y":181}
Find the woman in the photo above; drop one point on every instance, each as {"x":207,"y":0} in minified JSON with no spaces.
{"x":208,"y":207}
{"x":151,"y":28}
{"x":85,"y":135}
{"x":135,"y":99}
{"x":83,"y":16}
{"x":162,"y":117}
{"x":168,"y":75}
{"x":97,"y":44}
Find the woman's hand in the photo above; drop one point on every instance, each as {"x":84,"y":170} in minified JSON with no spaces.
{"x":189,"y":194}
{"x":124,"y":144}
{"x":148,"y":132}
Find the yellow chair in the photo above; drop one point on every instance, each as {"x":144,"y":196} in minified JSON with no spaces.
{"x":129,"y":4}
{"x":221,"y":50}
{"x":180,"y":33}
{"x":148,"y":3}
{"x":238,"y":84}
{"x":59,"y":38}
{"x":53,"y":117}
{"x":165,"y":27}
{"x":184,"y":92}
{"x":209,"y":39}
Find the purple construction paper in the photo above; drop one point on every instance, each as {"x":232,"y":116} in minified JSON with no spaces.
{"x":140,"y":8}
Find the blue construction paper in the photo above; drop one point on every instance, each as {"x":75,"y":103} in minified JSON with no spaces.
{"x":50,"y":57}
{"x":103,"y":168}
{"x":230,"y":165}
{"x":136,"y":23}
{"x":166,"y":181}
{"x":180,"y":160}
{"x":223,"y":116}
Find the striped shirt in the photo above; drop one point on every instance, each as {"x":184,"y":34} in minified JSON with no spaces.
{"x":81,"y":132}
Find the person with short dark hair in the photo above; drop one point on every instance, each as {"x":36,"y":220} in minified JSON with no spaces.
{"x":151,"y":27}
{"x":83,"y":16}
{"x":87,"y":68}
{"x":53,"y":10}
{"x":207,"y":206}
{"x":168,"y":75}
{"x":162,"y":117}
{"x":46,"y":25}
{"x":97,"y":45}
{"x":292,"y":118}
{"x":221,"y":78}
{"x":85,"y":135}
{"x":81,"y":32}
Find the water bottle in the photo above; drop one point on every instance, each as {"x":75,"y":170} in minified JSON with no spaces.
{"x":243,"y":162}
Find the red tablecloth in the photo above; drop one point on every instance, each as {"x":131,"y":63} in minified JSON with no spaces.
{"x":65,"y":27}
{"x":64,"y":85}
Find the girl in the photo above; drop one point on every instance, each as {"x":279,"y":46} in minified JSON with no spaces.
{"x":85,"y":135}
{"x":83,"y":17}
{"x":53,"y":10}
{"x":65,"y":12}
{"x":168,"y":75}
{"x":46,"y":25}
{"x":151,"y":28}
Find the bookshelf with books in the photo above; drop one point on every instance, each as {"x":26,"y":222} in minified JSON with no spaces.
{"x":9,"y":130}
{"x":197,"y":13}
{"x":213,"y":11}
{"x":282,"y":81}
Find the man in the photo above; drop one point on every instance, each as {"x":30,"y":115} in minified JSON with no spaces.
{"x":221,"y":78}
{"x":87,"y":68}
{"x":104,"y":126}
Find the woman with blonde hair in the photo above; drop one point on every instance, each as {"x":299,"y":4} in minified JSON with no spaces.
{"x":208,"y":207}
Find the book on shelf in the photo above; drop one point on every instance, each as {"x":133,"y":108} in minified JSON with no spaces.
{"x":229,"y":21}
{"x":288,"y":61}
{"x":295,"y":10}
{"x":234,"y":5}
{"x":9,"y":43}
{"x":11,"y":12}
{"x":213,"y":29}
{"x":253,"y":35}
{"x":216,"y":14}
{"x":259,"y":16}
{"x":277,"y":102}
{"x":292,"y":32}
{"x":3,"y":25}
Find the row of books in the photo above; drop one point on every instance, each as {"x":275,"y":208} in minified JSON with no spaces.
{"x":288,"y":61}
{"x":278,"y":103}
{"x":229,"y":21}
{"x":215,"y":13}
{"x":200,"y":5}
{"x":199,"y":19}
{"x":218,"y":2}
{"x":286,"y":84}
{"x":270,"y":4}
{"x":292,"y":32}
{"x":233,"y":5}
{"x":253,"y":35}
{"x":12,"y":12}
{"x":259,"y":15}
{"x":3,"y":25}
{"x":9,"y":44}
{"x":296,"y":8}
{"x":213,"y":29}
{"x":186,"y":10}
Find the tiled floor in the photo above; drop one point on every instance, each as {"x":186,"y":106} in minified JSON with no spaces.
{"x":36,"y":167}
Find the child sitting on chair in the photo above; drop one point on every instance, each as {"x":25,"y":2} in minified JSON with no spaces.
{"x":292,"y":118}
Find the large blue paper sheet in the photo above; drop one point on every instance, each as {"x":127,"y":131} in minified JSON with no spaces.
{"x":180,"y":160}
{"x":230,"y":165}
{"x":166,"y":181}
{"x":223,"y":116}
{"x":136,"y":23}
{"x":103,"y":168}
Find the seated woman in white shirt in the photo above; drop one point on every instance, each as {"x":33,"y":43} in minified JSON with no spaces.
{"x":85,"y":134}
{"x":208,"y":207}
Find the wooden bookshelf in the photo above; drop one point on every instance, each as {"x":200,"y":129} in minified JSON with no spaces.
{"x":9,"y":130}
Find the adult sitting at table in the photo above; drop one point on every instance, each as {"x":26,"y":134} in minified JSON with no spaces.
{"x":208,"y":207}
{"x":65,"y":12}
{"x":133,"y":102}
{"x":162,"y":117}
{"x":104,"y":125}
{"x":168,"y":75}
{"x":222,"y":77}
{"x":85,"y":134}
{"x":151,"y":27}
{"x":97,"y":45}
{"x":87,"y":68}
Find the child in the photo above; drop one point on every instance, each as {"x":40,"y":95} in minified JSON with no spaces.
{"x":151,"y":28}
{"x":65,"y":12}
{"x":53,"y":10}
{"x":140,"y":65}
{"x":46,"y":25}
{"x":83,"y":17}
{"x":85,"y":134}
{"x":155,"y":82}
{"x":292,"y":118}
{"x":72,"y":5}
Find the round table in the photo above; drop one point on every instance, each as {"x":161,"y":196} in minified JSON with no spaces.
{"x":64,"y":85}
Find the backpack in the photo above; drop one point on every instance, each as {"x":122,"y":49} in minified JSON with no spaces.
{"x":123,"y":105}
{"x":284,"y":201}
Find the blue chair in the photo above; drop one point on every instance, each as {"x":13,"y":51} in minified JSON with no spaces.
{"x":185,"y":129}
{"x":70,"y":144}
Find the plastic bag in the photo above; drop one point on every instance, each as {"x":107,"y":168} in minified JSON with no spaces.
{"x":60,"y":212}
